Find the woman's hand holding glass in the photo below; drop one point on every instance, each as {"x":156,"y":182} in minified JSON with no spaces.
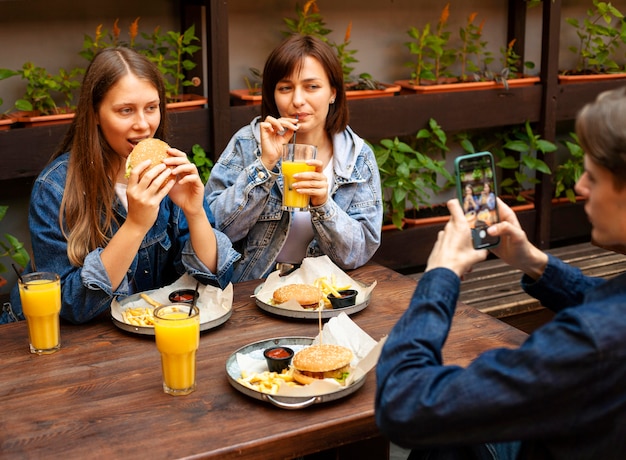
{"x":275,"y":132}
{"x":313,"y":183}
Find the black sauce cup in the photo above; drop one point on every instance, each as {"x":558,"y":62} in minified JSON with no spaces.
{"x":278,"y":358}
{"x":347,"y":298}
{"x":183,"y":296}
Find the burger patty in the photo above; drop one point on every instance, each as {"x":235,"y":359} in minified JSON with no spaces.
{"x":334,"y":374}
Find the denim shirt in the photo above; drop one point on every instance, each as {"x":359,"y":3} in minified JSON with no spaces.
{"x":246,"y":200}
{"x":164,"y":255}
{"x":562,"y":393}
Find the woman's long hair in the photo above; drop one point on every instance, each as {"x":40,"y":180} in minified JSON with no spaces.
{"x":287,"y":58}
{"x":86,"y":215}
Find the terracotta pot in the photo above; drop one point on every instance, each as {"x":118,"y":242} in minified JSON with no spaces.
{"x":522,"y":81}
{"x":32,"y":118}
{"x":243,"y":97}
{"x":5,"y":122}
{"x":187,"y":102}
{"x":389,"y":90}
{"x":407,"y":86}
{"x":566,"y":79}
{"x":437,"y":214}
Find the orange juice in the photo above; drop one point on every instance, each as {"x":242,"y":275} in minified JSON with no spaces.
{"x":40,"y":294}
{"x":292,"y":198}
{"x":177,"y":339}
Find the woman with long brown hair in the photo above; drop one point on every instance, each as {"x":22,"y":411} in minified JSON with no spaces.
{"x":110,"y":235}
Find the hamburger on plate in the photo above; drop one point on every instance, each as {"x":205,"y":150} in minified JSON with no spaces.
{"x":322,"y":362}
{"x":307,"y":295}
{"x":151,"y":149}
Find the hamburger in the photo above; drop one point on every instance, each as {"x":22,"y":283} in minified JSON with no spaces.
{"x":307,"y":295}
{"x":151,"y":149}
{"x":322,"y":362}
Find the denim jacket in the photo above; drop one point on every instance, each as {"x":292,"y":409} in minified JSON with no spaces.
{"x":165,"y":253}
{"x":246,"y":200}
{"x":562,"y":392}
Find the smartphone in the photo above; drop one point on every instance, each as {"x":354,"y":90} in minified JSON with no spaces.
{"x":476,"y":189}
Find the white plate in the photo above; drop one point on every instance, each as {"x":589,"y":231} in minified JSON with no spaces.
{"x":149,"y":330}
{"x":310,"y":314}
{"x":284,"y":402}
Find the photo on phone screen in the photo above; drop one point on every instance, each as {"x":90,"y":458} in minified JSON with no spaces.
{"x":476,"y":189}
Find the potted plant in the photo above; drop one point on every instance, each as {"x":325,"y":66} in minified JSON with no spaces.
{"x":409,"y":177}
{"x":251,"y":94}
{"x":434,"y":56}
{"x":601,"y":35}
{"x":38,"y":104}
{"x":171,"y":51}
{"x":309,"y":21}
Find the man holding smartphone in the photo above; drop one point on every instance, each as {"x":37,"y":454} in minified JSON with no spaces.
{"x":562,"y":394}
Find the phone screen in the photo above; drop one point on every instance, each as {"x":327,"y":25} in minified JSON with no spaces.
{"x":476,"y":188}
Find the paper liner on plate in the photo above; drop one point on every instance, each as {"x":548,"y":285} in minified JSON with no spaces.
{"x":212,"y":302}
{"x":340,"y":330}
{"x":311,"y":269}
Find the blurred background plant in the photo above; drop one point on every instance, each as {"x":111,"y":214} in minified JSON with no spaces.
{"x":569,"y":171}
{"x":202,"y":162}
{"x":12,"y":248}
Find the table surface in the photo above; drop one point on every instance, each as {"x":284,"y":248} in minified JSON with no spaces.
{"x":102,"y":391}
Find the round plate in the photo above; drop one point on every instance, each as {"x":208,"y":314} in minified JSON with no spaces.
{"x":284,"y":402}
{"x":309,"y":314}
{"x":204,"y":326}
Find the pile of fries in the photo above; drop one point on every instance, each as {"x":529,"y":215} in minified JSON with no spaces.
{"x":141,"y":316}
{"x":329,"y":287}
{"x":267,"y":382}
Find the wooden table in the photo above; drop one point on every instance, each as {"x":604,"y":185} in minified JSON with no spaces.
{"x":101,"y":393}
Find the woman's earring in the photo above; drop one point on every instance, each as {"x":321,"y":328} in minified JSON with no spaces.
{"x":332,"y":101}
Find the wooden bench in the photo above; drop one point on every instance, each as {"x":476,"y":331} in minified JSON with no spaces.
{"x":493,"y":287}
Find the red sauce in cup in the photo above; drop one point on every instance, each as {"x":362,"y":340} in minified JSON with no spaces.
{"x":278,"y":353}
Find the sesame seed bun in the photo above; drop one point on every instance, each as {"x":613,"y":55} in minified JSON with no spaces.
{"x":321,"y":362}
{"x":307,"y":295}
{"x":151,"y":149}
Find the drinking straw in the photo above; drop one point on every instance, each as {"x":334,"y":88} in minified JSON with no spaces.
{"x":195,"y":297}
{"x":19,"y":276}
{"x":293,"y":139}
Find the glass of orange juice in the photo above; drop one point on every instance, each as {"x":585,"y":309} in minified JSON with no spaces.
{"x":177,"y":334}
{"x":40,"y":294}
{"x":294,"y":161}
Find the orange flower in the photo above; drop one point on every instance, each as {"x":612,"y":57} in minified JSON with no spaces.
{"x":445,"y":14}
{"x":511,"y":43}
{"x":471,"y":17}
{"x":480,"y":28}
{"x":308,"y":5}
{"x":98,"y":33}
{"x":346,"y":39}
{"x":116,"y":30}
{"x":133,"y":30}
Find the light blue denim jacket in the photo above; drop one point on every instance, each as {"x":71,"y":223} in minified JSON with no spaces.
{"x":246,"y":200}
{"x":165,"y":253}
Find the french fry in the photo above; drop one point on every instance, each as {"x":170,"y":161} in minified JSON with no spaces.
{"x":329,"y":287}
{"x":141,"y":317}
{"x":267,"y":382}
{"x":150,"y":300}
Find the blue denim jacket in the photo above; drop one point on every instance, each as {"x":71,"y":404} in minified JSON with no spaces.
{"x":562,"y":393}
{"x":165,"y":253}
{"x":246,"y":200}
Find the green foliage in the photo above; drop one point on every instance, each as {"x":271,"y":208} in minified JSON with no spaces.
{"x":567,"y":173}
{"x":408,"y":173}
{"x":601,"y":34}
{"x":432,"y":54}
{"x":171,"y":52}
{"x":254,"y":82}
{"x":528,"y":145}
{"x":41,"y":87}
{"x":11,"y":247}
{"x":308,"y":21}
{"x":202,"y":162}
{"x":517,"y":151}
{"x":473,"y":45}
